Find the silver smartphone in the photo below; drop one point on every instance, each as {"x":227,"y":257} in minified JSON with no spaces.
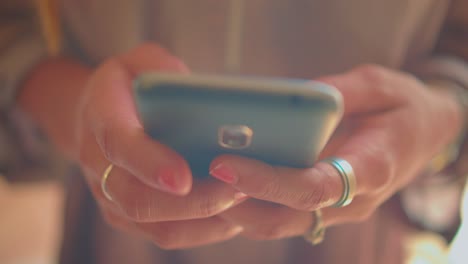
{"x":284,"y":122}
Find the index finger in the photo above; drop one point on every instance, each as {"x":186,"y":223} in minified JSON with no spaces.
{"x":312,"y":188}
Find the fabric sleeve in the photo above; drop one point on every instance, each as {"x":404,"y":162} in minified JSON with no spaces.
{"x":25,"y":154}
{"x":21,"y":47}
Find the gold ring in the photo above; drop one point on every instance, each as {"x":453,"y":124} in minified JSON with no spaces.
{"x":104,"y":177}
{"x":348,"y":178}
{"x":316,"y":234}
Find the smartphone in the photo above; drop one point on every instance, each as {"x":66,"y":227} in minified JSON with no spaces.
{"x":284,"y":122}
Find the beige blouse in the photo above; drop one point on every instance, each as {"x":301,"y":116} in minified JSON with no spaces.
{"x":286,"y":38}
{"x":300,"y":38}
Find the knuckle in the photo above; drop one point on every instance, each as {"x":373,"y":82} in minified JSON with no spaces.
{"x":271,"y":232}
{"x":372,"y":73}
{"x":136,"y":210}
{"x":382,"y":162}
{"x":165,"y":237}
{"x":136,"y":203}
{"x":264,"y":190}
{"x":377,"y":76}
{"x":311,"y":200}
{"x":209,"y":207}
{"x":324,"y":182}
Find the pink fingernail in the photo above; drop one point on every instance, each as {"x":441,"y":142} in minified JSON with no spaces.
{"x":223,"y":173}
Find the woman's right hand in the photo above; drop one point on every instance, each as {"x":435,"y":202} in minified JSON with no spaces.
{"x":151,"y":186}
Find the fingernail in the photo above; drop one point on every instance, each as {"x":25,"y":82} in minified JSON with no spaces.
{"x":171,"y":182}
{"x":223,"y":173}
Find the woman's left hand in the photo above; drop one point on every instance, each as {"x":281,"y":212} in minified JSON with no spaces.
{"x":393,"y":125}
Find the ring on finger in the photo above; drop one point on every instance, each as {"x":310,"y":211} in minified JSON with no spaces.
{"x":316,"y":234}
{"x":104,"y":178}
{"x":348,"y":179}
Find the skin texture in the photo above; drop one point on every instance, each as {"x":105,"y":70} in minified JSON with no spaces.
{"x":392,"y":127}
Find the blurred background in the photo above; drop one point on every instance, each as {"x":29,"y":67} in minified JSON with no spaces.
{"x":32,"y":208}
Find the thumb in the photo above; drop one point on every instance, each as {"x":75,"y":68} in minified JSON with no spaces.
{"x":115,"y":124}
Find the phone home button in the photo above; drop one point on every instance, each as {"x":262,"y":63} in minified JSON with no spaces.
{"x":235,"y":136}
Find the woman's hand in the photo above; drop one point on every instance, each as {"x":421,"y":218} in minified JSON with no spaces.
{"x":393,"y":126}
{"x":150,"y":184}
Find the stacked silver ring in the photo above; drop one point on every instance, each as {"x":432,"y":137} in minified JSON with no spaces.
{"x":316,"y":234}
{"x":348,"y":179}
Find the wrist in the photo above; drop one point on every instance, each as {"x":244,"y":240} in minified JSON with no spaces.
{"x":50,"y":96}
